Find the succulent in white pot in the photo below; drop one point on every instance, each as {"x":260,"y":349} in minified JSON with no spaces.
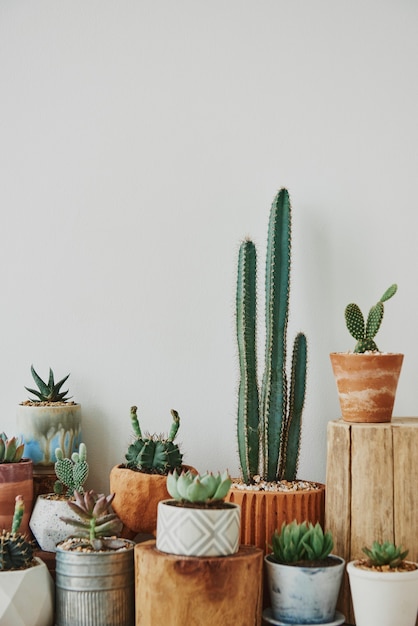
{"x":26,"y":586}
{"x":384,"y":586}
{"x":303,"y":576}
{"x":197,"y":521}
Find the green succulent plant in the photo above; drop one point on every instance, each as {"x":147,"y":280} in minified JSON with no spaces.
{"x":365,"y":331}
{"x":301,"y":542}
{"x":198,"y":488}
{"x":385,"y":553}
{"x":11,"y":450}
{"x":269,"y":420}
{"x":154,"y":453}
{"x":96,"y":521}
{"x":71,"y":473}
{"x":16,"y":551}
{"x":50,"y":391}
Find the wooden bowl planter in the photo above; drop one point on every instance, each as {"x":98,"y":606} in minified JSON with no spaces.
{"x":27,"y":596}
{"x":383,"y":598}
{"x":15,"y":479}
{"x":366,"y":384}
{"x":137,"y":495}
{"x":264,"y":511}
{"x":195,"y":531}
{"x":95,"y":588}
{"x":304,"y":595}
{"x":199,"y":591}
{"x":47,"y":427}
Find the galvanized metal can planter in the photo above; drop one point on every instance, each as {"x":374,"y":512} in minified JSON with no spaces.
{"x":95,"y":588}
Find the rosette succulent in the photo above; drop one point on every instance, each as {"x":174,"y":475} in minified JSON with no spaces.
{"x":11,"y":450}
{"x":301,"y":542}
{"x":198,"y":488}
{"x":385,"y":553}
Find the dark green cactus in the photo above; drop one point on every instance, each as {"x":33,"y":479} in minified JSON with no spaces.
{"x":48,"y":392}
{"x":71,"y":473}
{"x":11,"y":450}
{"x":272,"y":425}
{"x":364,"y":332}
{"x":16,"y":552}
{"x":154,"y":453}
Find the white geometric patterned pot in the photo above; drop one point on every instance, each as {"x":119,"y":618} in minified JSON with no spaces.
{"x":191,"y":531}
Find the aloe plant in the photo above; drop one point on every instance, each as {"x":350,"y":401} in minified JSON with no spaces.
{"x":269,"y":423}
{"x":365,"y":331}
{"x":300,"y":542}
{"x":50,"y":391}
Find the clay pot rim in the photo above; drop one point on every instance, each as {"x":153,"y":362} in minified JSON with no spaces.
{"x":368,"y":354}
{"x":365,"y":572}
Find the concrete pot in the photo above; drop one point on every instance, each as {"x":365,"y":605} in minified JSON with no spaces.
{"x":203,"y":532}
{"x":45,"y":428}
{"x":383,"y":598}
{"x":304,"y":595}
{"x":27,"y":596}
{"x":45,"y":523}
{"x":366,"y":384}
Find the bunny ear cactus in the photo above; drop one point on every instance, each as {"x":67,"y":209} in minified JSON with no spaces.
{"x":365,"y":331}
{"x":72,"y":473}
{"x":270,"y":424}
{"x":154,"y":453}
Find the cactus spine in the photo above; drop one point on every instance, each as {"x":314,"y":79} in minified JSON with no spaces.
{"x":275,"y":421}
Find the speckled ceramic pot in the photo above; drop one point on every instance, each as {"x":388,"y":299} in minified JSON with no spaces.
{"x":45,"y":523}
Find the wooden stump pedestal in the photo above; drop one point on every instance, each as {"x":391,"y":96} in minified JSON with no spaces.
{"x":177,"y":590}
{"x":372,"y":489}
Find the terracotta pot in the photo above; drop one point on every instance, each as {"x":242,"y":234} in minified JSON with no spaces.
{"x":366,"y":384}
{"x":15,"y":479}
{"x":137,"y":495}
{"x":264,"y":511}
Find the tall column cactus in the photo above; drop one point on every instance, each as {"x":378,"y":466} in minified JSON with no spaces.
{"x":273,"y":424}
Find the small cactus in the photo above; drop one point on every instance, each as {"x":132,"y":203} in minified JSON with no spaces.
{"x":301,"y":542}
{"x":385,"y":553}
{"x":96,"y":521}
{"x":154,"y":453}
{"x":50,"y":391}
{"x":205,"y":488}
{"x":11,"y":450}
{"x":16,"y":552}
{"x":365,"y":331}
{"x":71,"y":473}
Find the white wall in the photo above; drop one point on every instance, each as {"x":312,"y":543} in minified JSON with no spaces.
{"x":140,"y":141}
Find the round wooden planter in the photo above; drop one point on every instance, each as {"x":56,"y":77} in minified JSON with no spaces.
{"x":45,"y":428}
{"x":264,"y":511}
{"x":366,"y":384}
{"x":15,"y":479}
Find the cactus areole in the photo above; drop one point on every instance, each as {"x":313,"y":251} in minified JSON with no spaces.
{"x":269,"y":421}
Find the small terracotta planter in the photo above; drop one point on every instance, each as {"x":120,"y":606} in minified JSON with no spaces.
{"x":15,"y":479}
{"x":366,"y":384}
{"x":137,"y":495}
{"x":264,"y":511}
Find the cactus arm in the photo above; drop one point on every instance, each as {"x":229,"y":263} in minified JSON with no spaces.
{"x":374,"y":320}
{"x":355,"y":321}
{"x":174,"y":426}
{"x":390,"y":291}
{"x":248,"y":402}
{"x":135,"y":423}
{"x":274,"y":391}
{"x":291,"y":436}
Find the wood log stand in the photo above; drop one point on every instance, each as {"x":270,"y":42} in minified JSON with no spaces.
{"x":178,"y":590}
{"x":372,"y":489}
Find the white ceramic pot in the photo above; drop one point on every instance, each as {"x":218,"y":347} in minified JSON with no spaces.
{"x":198,"y":532}
{"x":46,"y":525}
{"x":27,"y":596}
{"x":383,"y":598}
{"x":304,"y":595}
